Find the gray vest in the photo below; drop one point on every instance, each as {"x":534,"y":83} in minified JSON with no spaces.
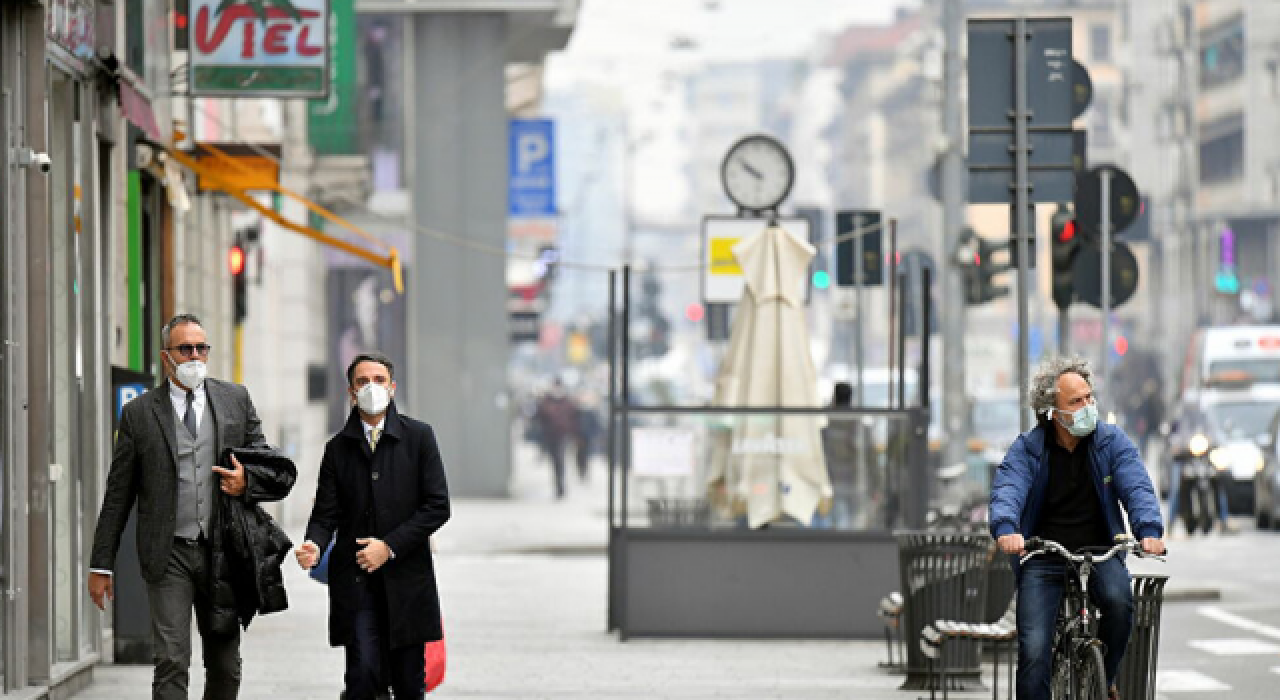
{"x":195,"y":477}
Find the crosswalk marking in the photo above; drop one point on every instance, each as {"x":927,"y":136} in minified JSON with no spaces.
{"x":1234,"y":647}
{"x":1186,"y":681}
{"x":1215,"y":613}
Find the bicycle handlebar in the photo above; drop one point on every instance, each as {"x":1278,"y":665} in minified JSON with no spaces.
{"x":1036,"y":546}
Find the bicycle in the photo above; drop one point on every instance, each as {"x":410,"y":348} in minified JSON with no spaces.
{"x":1077,"y":669}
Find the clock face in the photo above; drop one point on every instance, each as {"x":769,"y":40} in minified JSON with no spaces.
{"x":757,"y":173}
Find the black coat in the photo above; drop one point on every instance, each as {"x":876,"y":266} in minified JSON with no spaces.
{"x":248,"y":546}
{"x":398,"y":495}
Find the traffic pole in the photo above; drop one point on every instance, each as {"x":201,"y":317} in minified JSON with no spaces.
{"x":1021,"y":223}
{"x":1105,"y":227}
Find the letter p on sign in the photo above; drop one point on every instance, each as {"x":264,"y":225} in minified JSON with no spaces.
{"x":531,"y":149}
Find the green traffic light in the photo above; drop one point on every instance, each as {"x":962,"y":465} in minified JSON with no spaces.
{"x":821,"y":279}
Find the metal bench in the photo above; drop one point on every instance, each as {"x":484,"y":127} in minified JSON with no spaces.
{"x":890,"y":611}
{"x":1002,"y":634}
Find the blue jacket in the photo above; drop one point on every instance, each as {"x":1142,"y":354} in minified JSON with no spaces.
{"x":1118,"y":475}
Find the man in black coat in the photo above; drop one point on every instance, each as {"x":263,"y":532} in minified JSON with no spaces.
{"x":165,"y":456}
{"x":382,"y":492}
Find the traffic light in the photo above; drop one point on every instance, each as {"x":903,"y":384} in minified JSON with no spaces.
{"x":1066,"y":245}
{"x":979,"y":285}
{"x":181,"y":25}
{"x":239,"y":287}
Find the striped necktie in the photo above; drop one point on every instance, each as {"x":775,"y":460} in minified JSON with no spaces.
{"x":374,"y":434}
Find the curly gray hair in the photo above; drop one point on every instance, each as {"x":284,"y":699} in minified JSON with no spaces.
{"x":1044,"y":383}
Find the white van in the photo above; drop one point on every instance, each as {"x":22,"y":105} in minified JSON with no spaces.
{"x":1237,"y":355}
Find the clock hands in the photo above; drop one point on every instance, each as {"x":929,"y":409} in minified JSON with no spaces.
{"x":754,"y":173}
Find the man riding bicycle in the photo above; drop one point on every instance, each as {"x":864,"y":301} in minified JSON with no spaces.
{"x":1064,"y":480}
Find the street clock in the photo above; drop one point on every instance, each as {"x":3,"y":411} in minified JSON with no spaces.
{"x":758,"y":173}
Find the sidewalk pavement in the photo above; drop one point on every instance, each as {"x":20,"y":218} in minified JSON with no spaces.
{"x":523,"y":588}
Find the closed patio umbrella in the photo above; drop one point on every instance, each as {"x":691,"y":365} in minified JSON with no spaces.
{"x":770,"y":465}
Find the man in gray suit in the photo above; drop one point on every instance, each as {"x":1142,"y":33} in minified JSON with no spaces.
{"x":165,"y":457}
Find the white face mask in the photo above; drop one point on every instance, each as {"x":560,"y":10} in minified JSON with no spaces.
{"x":373,"y":399}
{"x":191,"y":373}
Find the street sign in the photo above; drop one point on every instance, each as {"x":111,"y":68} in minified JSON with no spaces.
{"x":1125,"y":204}
{"x":992,"y":93}
{"x":531,"y":155}
{"x":1081,"y":89}
{"x":333,"y":124}
{"x":252,"y":50}
{"x":1087,"y":274}
{"x":846,"y":247}
{"x":722,"y":280}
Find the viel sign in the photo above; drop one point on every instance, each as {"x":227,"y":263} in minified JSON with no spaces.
{"x":260,"y":49}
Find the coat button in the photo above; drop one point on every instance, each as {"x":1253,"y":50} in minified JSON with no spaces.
{"x":375,"y":476}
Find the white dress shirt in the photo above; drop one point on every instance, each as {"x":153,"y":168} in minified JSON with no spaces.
{"x":178,"y":397}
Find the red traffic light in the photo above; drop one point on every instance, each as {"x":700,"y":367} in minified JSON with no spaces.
{"x":235,"y":260}
{"x":1122,"y":346}
{"x":1068,"y":231}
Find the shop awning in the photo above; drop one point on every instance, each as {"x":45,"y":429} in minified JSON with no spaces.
{"x":137,"y":109}
{"x":221,"y":172}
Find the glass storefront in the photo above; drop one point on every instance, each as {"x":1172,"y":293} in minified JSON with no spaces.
{"x":72,"y":432}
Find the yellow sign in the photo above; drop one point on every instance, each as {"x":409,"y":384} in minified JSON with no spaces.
{"x":722,"y":260}
{"x":247,"y":172}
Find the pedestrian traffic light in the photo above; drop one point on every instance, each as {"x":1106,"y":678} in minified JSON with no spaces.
{"x":239,"y":287}
{"x":979,"y":285}
{"x":1066,"y":245}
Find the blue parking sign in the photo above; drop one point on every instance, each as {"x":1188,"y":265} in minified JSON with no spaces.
{"x":531,"y":154}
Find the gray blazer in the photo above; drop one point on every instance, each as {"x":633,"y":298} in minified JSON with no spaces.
{"x":144,"y":469}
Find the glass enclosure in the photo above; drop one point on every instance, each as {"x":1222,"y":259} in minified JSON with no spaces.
{"x":712,"y":470}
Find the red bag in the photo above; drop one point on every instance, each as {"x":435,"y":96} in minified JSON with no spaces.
{"x":435,"y":659}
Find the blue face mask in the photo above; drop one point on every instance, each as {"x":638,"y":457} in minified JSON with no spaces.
{"x":1083,"y":421}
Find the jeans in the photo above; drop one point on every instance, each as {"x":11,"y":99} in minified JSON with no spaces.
{"x":186,"y":584}
{"x":1040,"y":586}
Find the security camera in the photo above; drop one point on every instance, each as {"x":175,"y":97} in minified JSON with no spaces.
{"x":28,"y":158}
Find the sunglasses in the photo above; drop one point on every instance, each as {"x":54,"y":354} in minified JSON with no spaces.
{"x":192,"y":350}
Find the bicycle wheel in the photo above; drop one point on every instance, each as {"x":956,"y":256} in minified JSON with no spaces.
{"x":1060,"y":682}
{"x":1091,"y":676}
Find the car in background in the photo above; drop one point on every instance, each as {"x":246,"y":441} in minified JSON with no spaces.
{"x":1231,"y":422}
{"x":1266,"y":506}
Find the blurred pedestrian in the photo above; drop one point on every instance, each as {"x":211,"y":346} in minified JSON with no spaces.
{"x":589,"y":429}
{"x":382,"y":491}
{"x":557,"y":418}
{"x":839,"y":442}
{"x":166,"y":449}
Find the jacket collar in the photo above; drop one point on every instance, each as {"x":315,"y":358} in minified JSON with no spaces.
{"x":393,"y":424}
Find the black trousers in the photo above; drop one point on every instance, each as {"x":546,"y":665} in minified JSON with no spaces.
{"x":372,"y":665}
{"x":187,"y":583}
